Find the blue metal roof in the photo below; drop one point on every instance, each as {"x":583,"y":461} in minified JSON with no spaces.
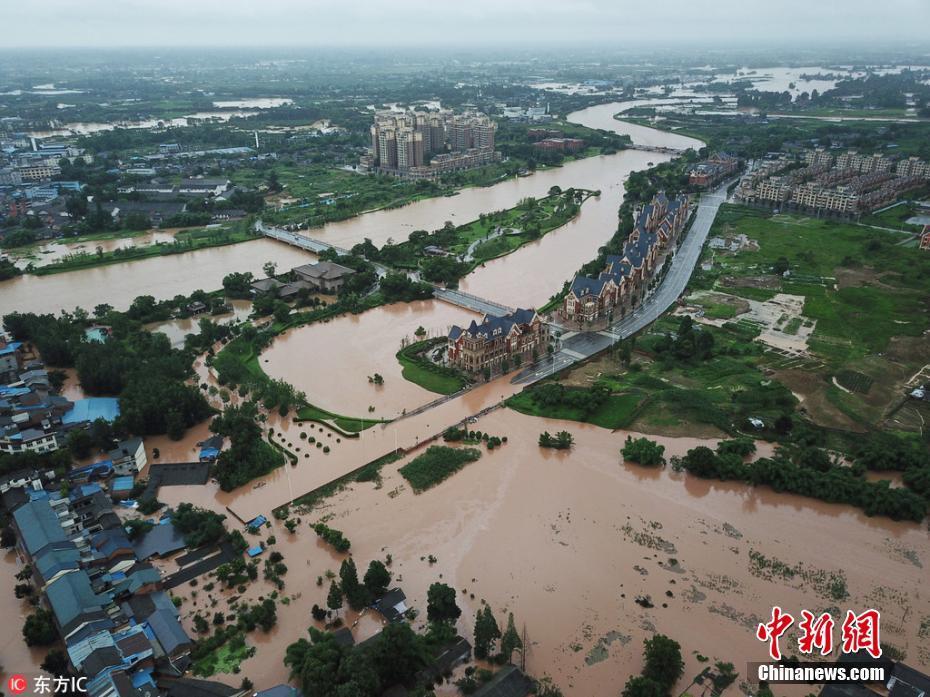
{"x":91,"y":409}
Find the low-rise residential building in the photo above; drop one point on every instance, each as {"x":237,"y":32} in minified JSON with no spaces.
{"x":497,"y":341}
{"x":325,"y":276}
{"x":566,"y":145}
{"x":847,"y":185}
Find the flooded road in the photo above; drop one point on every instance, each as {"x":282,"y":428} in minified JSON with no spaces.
{"x":164,"y":277}
{"x":15,"y":656}
{"x":567,"y":541}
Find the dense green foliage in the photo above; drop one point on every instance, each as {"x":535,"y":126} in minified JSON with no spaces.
{"x":323,"y":667}
{"x":644,"y":452}
{"x":141,"y":368}
{"x":563,"y":440}
{"x":249,"y":455}
{"x":437,"y":464}
{"x":199,"y":526}
{"x":332,"y":536}
{"x":39,"y":628}
{"x":808,"y":472}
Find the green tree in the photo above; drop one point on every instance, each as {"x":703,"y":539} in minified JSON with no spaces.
{"x":356,"y":594}
{"x":39,"y":628}
{"x":440,"y":604}
{"x":663,"y":661}
{"x":486,"y":632}
{"x":334,"y":597}
{"x":641,"y":686}
{"x":511,"y":640}
{"x":377,"y":578}
{"x":644,"y":452}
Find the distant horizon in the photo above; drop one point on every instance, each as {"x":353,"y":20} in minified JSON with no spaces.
{"x":412,"y":24}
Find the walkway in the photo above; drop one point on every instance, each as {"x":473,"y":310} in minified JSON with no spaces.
{"x":471,"y":302}
{"x":575,"y":347}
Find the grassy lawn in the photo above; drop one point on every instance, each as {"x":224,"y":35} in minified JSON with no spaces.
{"x":897,"y":216}
{"x":309,"y":412}
{"x":617,"y":411}
{"x":428,"y":376}
{"x":185,"y":241}
{"x":225,"y":659}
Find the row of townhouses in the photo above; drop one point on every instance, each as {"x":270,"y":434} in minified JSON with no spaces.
{"x":625,"y":276}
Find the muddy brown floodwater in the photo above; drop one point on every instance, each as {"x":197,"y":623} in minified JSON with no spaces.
{"x":15,"y":656}
{"x":332,"y":361}
{"x":567,"y":541}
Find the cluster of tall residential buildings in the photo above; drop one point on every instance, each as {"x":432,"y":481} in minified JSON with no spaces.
{"x":625,"y":276}
{"x":847,"y":184}
{"x":427,"y":144}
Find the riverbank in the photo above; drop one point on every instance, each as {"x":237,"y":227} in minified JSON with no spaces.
{"x":184,"y":241}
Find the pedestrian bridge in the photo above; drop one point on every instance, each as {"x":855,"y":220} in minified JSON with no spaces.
{"x":471,"y":302}
{"x":297,"y":240}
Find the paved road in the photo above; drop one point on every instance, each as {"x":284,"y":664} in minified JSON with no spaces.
{"x":578,"y":346}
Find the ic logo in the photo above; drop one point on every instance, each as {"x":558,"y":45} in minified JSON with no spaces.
{"x":17,"y":684}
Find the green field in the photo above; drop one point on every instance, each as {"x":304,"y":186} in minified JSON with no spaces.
{"x":859,"y":284}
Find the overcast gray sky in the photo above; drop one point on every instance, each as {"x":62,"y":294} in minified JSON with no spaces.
{"x":458,"y":22}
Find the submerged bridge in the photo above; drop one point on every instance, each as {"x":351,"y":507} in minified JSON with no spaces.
{"x":471,"y":302}
{"x":297,"y":240}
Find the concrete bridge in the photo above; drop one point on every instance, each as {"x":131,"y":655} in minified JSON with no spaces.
{"x":297,"y":240}
{"x":471,"y":302}
{"x":308,"y":243}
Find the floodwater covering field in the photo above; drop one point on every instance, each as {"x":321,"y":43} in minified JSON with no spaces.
{"x":568,"y":541}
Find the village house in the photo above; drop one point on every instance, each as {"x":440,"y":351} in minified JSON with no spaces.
{"x":512,"y":338}
{"x":626,"y":275}
{"x":324,"y":276}
{"x":925,"y":239}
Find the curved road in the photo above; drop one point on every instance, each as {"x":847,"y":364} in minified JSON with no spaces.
{"x":579,"y":346}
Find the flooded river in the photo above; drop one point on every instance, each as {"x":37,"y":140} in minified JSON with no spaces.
{"x":164,"y":277}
